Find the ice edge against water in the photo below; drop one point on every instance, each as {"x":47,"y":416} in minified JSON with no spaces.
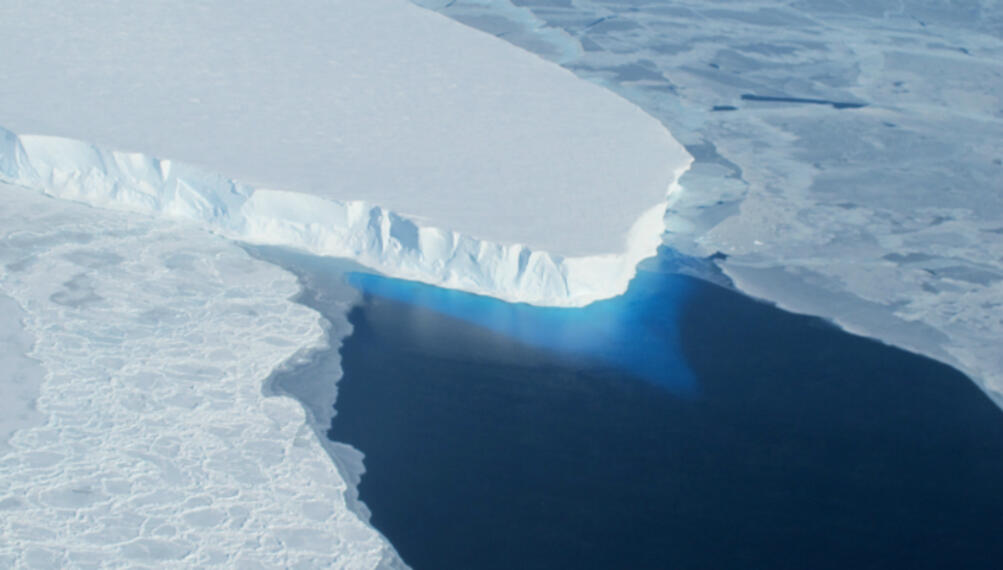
{"x":369,"y":234}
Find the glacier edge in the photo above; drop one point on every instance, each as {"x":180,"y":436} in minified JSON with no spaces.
{"x":367,"y":233}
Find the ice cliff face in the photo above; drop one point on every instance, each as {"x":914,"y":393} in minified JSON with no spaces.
{"x":369,"y":234}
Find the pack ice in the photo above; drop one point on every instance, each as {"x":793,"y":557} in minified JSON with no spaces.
{"x":150,"y":442}
{"x":375,"y":130}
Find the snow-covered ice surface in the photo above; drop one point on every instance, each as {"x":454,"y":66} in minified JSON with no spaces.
{"x":156,"y":445}
{"x":20,"y":376}
{"x":876,"y":201}
{"x":544,"y":188}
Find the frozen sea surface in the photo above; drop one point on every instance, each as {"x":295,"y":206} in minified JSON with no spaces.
{"x":885,"y":215}
{"x":152,"y":442}
{"x":20,"y":376}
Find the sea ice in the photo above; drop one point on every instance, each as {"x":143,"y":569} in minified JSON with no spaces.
{"x":373,"y":130}
{"x":20,"y":376}
{"x":157,"y":445}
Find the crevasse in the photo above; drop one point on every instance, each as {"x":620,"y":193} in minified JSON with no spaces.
{"x":367,"y":233}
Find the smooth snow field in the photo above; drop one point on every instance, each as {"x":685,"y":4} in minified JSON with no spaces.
{"x":514,"y":178}
{"x":848,"y":155}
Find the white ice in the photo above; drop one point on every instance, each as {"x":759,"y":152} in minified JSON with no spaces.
{"x":377,"y":101}
{"x":155,"y":445}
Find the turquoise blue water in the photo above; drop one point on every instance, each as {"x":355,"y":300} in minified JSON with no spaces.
{"x":636,"y":333}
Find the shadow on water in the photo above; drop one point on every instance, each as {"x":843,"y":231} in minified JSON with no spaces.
{"x":491,"y":445}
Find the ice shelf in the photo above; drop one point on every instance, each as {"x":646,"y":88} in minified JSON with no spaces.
{"x":469,"y":163}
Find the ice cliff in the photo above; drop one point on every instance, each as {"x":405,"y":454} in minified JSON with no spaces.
{"x":370,"y":234}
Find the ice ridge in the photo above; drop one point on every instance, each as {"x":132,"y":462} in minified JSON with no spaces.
{"x":373,"y":236}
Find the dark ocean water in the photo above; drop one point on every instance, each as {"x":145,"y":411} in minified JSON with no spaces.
{"x":680,"y":426}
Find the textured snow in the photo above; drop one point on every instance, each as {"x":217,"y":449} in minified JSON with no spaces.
{"x":157,"y":446}
{"x":887,"y":218}
{"x":20,"y":376}
{"x":378,"y":101}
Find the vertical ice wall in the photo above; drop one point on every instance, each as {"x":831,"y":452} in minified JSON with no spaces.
{"x":369,"y":234}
